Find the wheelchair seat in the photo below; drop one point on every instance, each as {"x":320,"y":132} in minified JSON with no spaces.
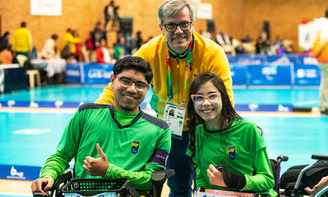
{"x":307,"y":176}
{"x":65,"y":187}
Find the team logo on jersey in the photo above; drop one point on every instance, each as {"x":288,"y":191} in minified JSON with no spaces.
{"x":232,"y":152}
{"x":135,"y":146}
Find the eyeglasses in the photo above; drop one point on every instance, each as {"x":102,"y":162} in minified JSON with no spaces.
{"x":127,"y":82}
{"x":184,"y":26}
{"x":199,"y":99}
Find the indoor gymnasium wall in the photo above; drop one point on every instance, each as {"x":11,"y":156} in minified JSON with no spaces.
{"x":237,"y":17}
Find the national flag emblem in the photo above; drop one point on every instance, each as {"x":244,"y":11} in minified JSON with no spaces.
{"x":232,"y":152}
{"x":135,"y":146}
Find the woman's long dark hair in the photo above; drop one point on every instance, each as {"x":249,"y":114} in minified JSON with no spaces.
{"x":227,"y":113}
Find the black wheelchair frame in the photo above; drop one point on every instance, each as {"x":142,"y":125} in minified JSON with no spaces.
{"x":90,"y":187}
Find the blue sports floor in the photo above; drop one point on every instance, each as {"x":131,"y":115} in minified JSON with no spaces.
{"x":29,"y":136}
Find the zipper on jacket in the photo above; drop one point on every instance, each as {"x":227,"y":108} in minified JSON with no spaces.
{"x":178,"y":66}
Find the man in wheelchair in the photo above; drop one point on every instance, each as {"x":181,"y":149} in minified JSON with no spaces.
{"x":113,"y":141}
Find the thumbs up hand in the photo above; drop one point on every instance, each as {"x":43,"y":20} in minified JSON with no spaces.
{"x":96,"y":167}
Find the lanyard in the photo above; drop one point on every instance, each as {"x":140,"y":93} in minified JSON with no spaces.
{"x":188,"y":68}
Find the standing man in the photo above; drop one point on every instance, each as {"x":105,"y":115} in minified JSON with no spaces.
{"x":113,"y":141}
{"x":22,"y":42}
{"x":109,"y":13}
{"x":320,"y":52}
{"x":177,"y":57}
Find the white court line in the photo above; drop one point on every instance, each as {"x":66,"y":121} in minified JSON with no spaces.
{"x":14,"y":194}
{"x":306,"y":102}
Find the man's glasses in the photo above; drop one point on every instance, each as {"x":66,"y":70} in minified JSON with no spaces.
{"x":199,"y":99}
{"x":127,"y":82}
{"x":184,"y":26}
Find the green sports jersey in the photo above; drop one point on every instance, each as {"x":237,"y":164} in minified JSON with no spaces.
{"x":135,"y":150}
{"x":241,"y":149}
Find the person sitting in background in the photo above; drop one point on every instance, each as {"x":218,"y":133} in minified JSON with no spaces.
{"x":4,"y":42}
{"x":120,"y":49}
{"x":6,"y":56}
{"x":49,"y":49}
{"x":77,"y":46}
{"x":102,"y":53}
{"x":68,"y":42}
{"x":227,"y":150}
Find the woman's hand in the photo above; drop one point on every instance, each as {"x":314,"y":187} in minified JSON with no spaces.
{"x":215,"y":176}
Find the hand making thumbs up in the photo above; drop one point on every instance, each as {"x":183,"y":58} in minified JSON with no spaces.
{"x":96,"y":167}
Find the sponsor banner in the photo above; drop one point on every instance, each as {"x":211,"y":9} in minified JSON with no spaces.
{"x":19,"y":172}
{"x":232,"y":58}
{"x":97,"y":73}
{"x":266,"y":108}
{"x":238,"y":74}
{"x":38,"y":104}
{"x":73,"y":73}
{"x":307,"y":75}
{"x":269,"y":75}
{"x":250,"y":59}
{"x":307,"y":60}
{"x":283,"y":59}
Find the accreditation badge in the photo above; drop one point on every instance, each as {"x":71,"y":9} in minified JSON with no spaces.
{"x":174,"y":116}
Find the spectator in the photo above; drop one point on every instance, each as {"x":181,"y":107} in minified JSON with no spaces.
{"x":223,"y":40}
{"x":320,"y":52}
{"x":109,"y":13}
{"x":120,"y":49}
{"x":139,"y":40}
{"x":4,"y":42}
{"x":77,"y":46}
{"x":6,"y":57}
{"x":102,"y":53}
{"x":22,"y":42}
{"x":68,"y":44}
{"x":96,"y":35}
{"x":49,"y":49}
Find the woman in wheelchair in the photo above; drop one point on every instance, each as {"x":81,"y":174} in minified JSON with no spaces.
{"x":228,"y":151}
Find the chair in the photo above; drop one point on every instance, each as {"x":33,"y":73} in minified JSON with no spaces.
{"x":32,"y":74}
{"x":321,"y":159}
{"x":275,"y":165}
{"x":91,"y":187}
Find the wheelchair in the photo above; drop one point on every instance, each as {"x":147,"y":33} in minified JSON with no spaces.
{"x":276,"y":168}
{"x":309,"y":175}
{"x":64,"y":186}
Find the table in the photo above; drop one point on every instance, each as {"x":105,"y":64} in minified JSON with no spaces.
{"x":51,"y":66}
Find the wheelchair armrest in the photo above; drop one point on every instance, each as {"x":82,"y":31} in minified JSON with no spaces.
{"x":320,"y":157}
{"x":281,"y":158}
{"x":159,"y":177}
{"x":64,"y":178}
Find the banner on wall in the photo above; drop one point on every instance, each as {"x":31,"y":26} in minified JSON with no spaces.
{"x":306,"y":36}
{"x":269,"y":74}
{"x":204,"y":11}
{"x":46,"y":7}
{"x":97,"y":73}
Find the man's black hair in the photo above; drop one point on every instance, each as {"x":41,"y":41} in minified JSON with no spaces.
{"x":326,"y":13}
{"x":54,"y":36}
{"x":133,"y":63}
{"x":23,"y":24}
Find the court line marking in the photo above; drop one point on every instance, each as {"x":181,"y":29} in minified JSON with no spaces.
{"x":14,"y":194}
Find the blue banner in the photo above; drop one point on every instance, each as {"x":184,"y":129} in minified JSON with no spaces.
{"x":19,"y":172}
{"x":238,"y":74}
{"x":305,"y":59}
{"x":250,"y":59}
{"x":73,"y":72}
{"x":269,"y":74}
{"x":307,"y":75}
{"x":283,"y":59}
{"x":97,"y":73}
